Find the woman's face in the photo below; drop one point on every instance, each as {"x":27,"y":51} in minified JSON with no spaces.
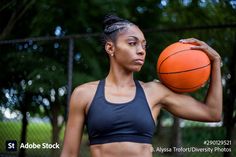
{"x":130,"y":49}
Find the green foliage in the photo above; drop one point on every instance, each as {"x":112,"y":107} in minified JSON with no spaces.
{"x":45,"y":62}
{"x":192,"y":136}
{"x":42,"y":130}
{"x":200,"y":134}
{"x":49,"y":62}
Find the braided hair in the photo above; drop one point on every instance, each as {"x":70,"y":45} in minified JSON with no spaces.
{"x":112,"y":25}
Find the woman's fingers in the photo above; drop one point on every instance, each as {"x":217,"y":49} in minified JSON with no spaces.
{"x":192,"y":41}
{"x":201,"y":45}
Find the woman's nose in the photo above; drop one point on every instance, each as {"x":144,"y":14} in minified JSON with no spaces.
{"x":140,"y":50}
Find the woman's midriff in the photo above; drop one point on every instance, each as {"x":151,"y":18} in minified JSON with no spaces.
{"x":121,"y":149}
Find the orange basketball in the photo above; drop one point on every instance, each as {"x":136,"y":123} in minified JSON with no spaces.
{"x":182,"y":69}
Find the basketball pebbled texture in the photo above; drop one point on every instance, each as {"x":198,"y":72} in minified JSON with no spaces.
{"x":182,"y":69}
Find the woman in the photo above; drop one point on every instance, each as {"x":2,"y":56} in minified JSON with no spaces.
{"x":119,"y":112}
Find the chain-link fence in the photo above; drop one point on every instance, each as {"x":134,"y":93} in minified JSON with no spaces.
{"x":39,"y":143}
{"x":196,"y":141}
{"x":36,"y":121}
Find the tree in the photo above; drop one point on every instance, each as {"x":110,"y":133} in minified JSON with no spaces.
{"x":12,"y":12}
{"x":15,"y":80}
{"x":163,"y":22}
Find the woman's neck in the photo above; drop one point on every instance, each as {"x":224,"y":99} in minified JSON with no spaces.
{"x":120,"y":77}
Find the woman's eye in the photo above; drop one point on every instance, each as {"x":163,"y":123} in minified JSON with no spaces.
{"x":132,"y":43}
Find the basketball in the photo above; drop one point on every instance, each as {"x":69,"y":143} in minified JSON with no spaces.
{"x":182,"y":69}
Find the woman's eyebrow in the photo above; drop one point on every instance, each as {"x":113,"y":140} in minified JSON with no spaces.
{"x":136,"y":38}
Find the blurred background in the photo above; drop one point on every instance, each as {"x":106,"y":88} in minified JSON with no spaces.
{"x":47,"y":48}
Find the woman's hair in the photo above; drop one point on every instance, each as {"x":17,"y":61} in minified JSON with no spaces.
{"x":112,"y":25}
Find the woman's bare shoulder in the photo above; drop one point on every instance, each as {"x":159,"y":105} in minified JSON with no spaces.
{"x":86,"y":88}
{"x":151,"y":84}
{"x":85,"y":92}
{"x":155,"y":86}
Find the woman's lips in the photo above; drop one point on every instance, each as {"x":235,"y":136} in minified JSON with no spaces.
{"x":139,"y":61}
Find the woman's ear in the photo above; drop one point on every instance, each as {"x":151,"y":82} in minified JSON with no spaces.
{"x":109,"y":47}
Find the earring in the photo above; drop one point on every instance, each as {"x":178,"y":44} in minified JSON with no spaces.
{"x":112,"y":54}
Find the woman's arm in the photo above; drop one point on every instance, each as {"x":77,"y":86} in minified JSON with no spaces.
{"x":75,"y":124}
{"x":187,"y":107}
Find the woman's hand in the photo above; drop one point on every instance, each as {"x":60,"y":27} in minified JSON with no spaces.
{"x":201,"y":45}
{"x":187,"y":107}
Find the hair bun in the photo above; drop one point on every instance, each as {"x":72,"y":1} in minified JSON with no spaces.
{"x":110,"y":19}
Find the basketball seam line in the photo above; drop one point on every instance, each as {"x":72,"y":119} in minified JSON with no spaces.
{"x":184,"y":70}
{"x":170,"y":56}
{"x":189,"y":87}
{"x":186,"y":87}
